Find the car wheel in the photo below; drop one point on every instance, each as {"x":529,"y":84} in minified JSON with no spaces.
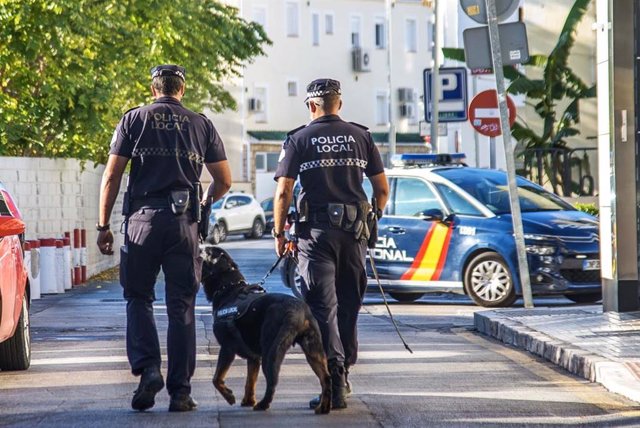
{"x":292,"y":278}
{"x":257,"y":230}
{"x":406,"y":297}
{"x":15,"y":352}
{"x":223,"y":231}
{"x":584,"y":298}
{"x":214,"y":237}
{"x":488,"y":282}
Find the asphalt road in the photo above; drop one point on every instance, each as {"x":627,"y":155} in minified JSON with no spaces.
{"x":80,"y":376}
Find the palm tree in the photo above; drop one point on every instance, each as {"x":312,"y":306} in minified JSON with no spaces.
{"x":558,"y":85}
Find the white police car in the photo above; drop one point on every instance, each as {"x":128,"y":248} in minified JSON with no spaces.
{"x":447,"y":227}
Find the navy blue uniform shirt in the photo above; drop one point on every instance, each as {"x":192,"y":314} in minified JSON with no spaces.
{"x":330,"y":155}
{"x":168,"y":145}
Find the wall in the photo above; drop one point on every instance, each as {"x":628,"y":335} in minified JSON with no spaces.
{"x":58,"y":195}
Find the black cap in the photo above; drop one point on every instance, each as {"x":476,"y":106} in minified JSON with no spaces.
{"x":168,"y":70}
{"x":322,"y":87}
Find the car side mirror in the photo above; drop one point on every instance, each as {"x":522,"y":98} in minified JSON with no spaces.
{"x":436,"y":214}
{"x":11,"y":226}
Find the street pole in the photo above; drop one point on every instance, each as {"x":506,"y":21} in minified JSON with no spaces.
{"x":476,"y":136}
{"x":492,"y":152}
{"x":392,"y":126}
{"x":435,"y":80}
{"x":516,"y":215}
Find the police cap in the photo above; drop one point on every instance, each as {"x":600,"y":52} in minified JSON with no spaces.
{"x":168,"y":70}
{"x":322,"y":87}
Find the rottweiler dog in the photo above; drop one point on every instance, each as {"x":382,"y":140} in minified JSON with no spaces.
{"x":259,"y":327}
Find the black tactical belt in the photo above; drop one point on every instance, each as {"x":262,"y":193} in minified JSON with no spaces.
{"x":151,"y":203}
{"x":319,"y":217}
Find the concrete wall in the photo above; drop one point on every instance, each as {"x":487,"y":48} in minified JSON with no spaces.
{"x":59,"y":195}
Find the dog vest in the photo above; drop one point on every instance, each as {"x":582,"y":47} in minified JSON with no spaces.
{"x":239,"y":305}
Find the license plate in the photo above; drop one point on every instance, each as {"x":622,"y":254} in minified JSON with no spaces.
{"x":590,"y":264}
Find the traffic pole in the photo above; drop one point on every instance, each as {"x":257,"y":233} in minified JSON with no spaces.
{"x":59,"y":257}
{"x":492,"y":152}
{"x":77,"y":274}
{"x":516,"y":214}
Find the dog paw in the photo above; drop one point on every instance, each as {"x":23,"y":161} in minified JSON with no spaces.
{"x":262,"y":406}
{"x":248,"y":402}
{"x":231,"y":399}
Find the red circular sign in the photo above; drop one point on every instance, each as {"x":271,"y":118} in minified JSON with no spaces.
{"x":484,"y":114}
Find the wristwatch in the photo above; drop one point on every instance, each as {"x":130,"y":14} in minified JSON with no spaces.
{"x":103,"y":228}
{"x":277,"y":235}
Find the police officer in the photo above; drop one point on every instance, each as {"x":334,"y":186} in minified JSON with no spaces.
{"x":168,"y":145}
{"x":330,"y":156}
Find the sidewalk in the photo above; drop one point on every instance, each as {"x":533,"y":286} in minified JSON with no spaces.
{"x":601,"y":347}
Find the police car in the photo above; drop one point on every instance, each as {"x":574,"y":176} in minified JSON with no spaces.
{"x":447,"y":228}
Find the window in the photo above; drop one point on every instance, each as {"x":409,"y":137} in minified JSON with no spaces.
{"x":293,"y":19}
{"x":382,"y":108}
{"x":292,"y":88}
{"x":413,"y":196}
{"x":260,"y":94}
{"x":315,"y":29}
{"x":260,"y":15}
{"x":380,"y":33}
{"x":356,"y":23}
{"x":430,"y":28}
{"x":328,"y":23}
{"x":411,"y":36}
{"x":267,"y":162}
{"x":457,"y":204}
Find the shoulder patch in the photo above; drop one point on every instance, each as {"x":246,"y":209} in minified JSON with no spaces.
{"x":293,"y":131}
{"x":359,"y":126}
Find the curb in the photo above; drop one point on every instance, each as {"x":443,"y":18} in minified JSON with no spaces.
{"x":614,"y":376}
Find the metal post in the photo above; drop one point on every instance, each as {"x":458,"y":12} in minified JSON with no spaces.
{"x":435,"y":80}
{"x":492,"y":152}
{"x":476,"y":135}
{"x":516,"y":215}
{"x":392,"y":126}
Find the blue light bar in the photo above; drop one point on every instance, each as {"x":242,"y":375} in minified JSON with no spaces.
{"x":430,"y":159}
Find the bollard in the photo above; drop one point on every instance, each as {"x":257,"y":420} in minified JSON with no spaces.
{"x":77,"y":273}
{"x":68,"y":271}
{"x":83,"y":255}
{"x":34,"y":272}
{"x":48,"y":266}
{"x":59,"y":254}
{"x":26,"y":260}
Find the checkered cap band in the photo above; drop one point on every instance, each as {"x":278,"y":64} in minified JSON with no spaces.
{"x":168,"y":70}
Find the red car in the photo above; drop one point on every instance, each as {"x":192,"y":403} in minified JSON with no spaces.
{"x":15,"y":335}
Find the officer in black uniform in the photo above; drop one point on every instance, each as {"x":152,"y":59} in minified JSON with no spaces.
{"x":168,"y":145}
{"x":330,"y":156}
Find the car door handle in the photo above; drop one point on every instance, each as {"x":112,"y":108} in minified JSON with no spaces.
{"x":397,"y":230}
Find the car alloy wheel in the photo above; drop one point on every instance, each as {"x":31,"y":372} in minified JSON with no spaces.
{"x":488,"y":281}
{"x":223,"y":232}
{"x":257,"y":230}
{"x":215,"y":235}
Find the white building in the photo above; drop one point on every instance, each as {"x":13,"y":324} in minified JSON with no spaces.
{"x":348,"y":40}
{"x":344,"y":40}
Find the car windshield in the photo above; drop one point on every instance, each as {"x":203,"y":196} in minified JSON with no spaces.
{"x":491,"y":189}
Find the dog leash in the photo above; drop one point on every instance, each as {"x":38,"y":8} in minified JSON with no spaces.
{"x":393,"y":321}
{"x":288,"y":250}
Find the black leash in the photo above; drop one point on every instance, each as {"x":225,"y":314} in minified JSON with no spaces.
{"x":273,"y":267}
{"x":375,"y":274}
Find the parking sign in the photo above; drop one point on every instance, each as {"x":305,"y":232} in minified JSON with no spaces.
{"x":453,"y":97}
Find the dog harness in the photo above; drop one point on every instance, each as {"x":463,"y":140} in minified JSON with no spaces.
{"x":238,"y":306}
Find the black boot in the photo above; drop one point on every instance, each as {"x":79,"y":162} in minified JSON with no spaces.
{"x":339,"y":388}
{"x":182,"y":403}
{"x":151,"y":383}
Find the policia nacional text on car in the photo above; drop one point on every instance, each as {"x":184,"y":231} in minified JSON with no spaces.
{"x":168,"y":146}
{"x":330,"y":155}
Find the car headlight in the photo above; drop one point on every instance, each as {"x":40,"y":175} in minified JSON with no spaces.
{"x":540,"y":250}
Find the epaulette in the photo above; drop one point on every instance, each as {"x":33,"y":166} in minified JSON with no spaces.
{"x":293,"y":131}
{"x":359,"y":126}
{"x":131,"y":109}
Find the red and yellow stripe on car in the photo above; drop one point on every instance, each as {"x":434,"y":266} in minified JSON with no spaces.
{"x":428,"y":263}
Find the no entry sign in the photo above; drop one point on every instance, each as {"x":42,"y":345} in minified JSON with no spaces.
{"x":484,"y":114}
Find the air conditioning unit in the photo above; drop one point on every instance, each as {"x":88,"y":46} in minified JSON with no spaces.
{"x":255,"y":105}
{"x":406,"y":95}
{"x":361,"y":59}
{"x":406,"y":110}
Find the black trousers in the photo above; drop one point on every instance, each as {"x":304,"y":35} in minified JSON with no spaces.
{"x":332,"y":264}
{"x":160,"y":239}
